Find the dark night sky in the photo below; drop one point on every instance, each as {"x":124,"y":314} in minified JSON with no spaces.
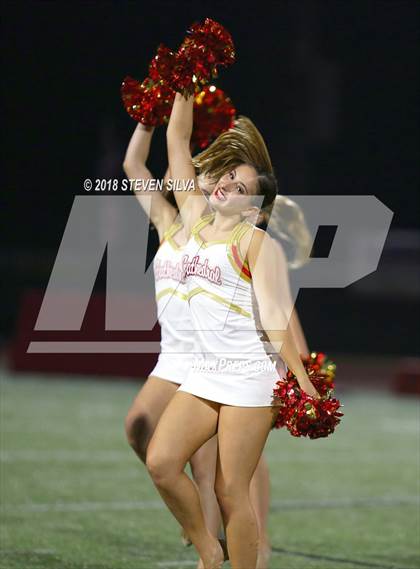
{"x":64,"y":62}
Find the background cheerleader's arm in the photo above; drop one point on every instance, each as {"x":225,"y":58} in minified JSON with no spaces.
{"x":162,"y":213}
{"x":285,"y":294}
{"x":181,"y":167}
{"x":267,"y":273}
{"x":298,"y":334}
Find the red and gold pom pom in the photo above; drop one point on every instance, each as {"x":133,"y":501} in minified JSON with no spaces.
{"x":211,"y":43}
{"x":302,"y":414}
{"x":170,"y":69}
{"x":149,"y":102}
{"x":188,"y":70}
{"x":205,"y":47}
{"x":314,"y":418}
{"x":214,"y":113}
{"x":319,"y":361}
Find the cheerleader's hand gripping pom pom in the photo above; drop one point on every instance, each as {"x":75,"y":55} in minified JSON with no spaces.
{"x":151,"y":102}
{"x":303,"y":415}
{"x":187,"y":71}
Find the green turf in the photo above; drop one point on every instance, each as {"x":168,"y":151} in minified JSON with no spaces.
{"x":74,"y":496}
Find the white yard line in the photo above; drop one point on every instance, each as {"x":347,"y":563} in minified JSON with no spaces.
{"x":127,"y":456}
{"x":65,"y":456}
{"x":157,"y":505}
{"x":81,"y":507}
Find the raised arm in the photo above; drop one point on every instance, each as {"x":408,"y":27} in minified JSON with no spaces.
{"x":178,"y":137}
{"x":162,"y":213}
{"x":265,"y":265}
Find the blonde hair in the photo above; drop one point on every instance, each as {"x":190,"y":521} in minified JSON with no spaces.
{"x":240,"y":144}
{"x":287,"y":222}
{"x":243,"y":143}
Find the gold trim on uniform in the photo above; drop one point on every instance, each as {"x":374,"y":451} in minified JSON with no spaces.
{"x":174,"y":291}
{"x":220,"y":299}
{"x":168,"y":236}
{"x":237,"y":235}
{"x":202,"y":222}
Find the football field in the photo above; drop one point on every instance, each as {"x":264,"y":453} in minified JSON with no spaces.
{"x":74,"y":496}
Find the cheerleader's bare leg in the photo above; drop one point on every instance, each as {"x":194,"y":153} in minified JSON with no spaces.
{"x":186,"y":424}
{"x":203,"y":467}
{"x":242,"y":433}
{"x":260,"y":499}
{"x":145,"y":412}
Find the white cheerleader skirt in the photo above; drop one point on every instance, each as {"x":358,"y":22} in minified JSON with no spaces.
{"x":172,"y":367}
{"x":240,"y":384}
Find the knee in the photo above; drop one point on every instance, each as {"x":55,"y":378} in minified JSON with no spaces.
{"x":161,"y":468}
{"x":203,"y":476}
{"x":137,"y":434}
{"x":229,"y":494}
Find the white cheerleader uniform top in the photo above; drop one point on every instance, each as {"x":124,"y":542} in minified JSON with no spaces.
{"x":175,"y":358}
{"x":230,"y":365}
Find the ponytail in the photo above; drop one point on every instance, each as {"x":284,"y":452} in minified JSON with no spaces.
{"x":243,"y":144}
{"x":287,"y":224}
{"x":240,"y":144}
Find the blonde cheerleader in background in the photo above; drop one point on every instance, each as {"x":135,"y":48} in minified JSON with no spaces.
{"x":236,"y":404}
{"x":243,"y":142}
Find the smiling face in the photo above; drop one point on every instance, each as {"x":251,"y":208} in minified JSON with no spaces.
{"x":234,"y":192}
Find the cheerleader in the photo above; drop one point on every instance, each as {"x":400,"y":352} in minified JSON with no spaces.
{"x":176,"y":347}
{"x":287,"y":223}
{"x":222,"y":276}
{"x":175,"y":357}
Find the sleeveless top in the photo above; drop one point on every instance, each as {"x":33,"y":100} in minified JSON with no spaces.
{"x":220,"y":295}
{"x":172,"y":296}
